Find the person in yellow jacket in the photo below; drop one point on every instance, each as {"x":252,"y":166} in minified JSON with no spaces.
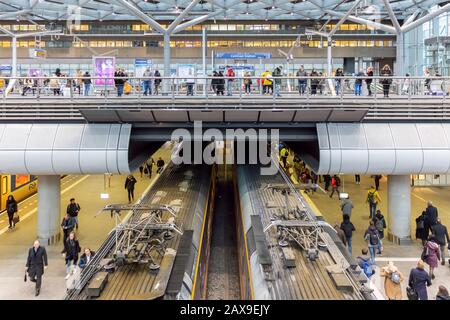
{"x":373,"y":198}
{"x":284,"y":153}
{"x":266,"y":81}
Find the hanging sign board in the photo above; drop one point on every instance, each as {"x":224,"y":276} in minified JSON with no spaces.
{"x":140,"y":65}
{"x":36,"y":53}
{"x":243,"y":55}
{"x":104,"y":68}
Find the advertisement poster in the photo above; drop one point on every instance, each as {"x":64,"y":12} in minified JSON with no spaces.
{"x":186,"y":72}
{"x":35,"y":73}
{"x":104,"y":68}
{"x":140,"y":65}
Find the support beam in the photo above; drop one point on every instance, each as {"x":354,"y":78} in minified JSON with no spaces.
{"x":166,"y":82}
{"x":39,"y":33}
{"x":426,"y":18}
{"x":392,"y":16}
{"x":141,"y":15}
{"x":14,"y":14}
{"x":49,"y":208}
{"x":369,"y":23}
{"x":412,"y":17}
{"x":329,"y":58}
{"x":204,"y":51}
{"x":195,"y":21}
{"x":4,"y":30}
{"x":399,"y":207}
{"x":182,"y":15}
{"x":340,"y":22}
{"x":399,"y":55}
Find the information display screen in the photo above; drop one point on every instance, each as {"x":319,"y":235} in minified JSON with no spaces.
{"x":104,"y":68}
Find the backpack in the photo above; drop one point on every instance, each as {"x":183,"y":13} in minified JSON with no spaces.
{"x":373,"y":238}
{"x":379,"y":224}
{"x":371,"y":197}
{"x":367,"y":268}
{"x":395,"y":277}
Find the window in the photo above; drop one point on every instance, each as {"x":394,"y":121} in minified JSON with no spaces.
{"x":19,"y":180}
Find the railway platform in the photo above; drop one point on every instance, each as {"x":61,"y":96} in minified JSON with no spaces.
{"x":92,"y":231}
{"x":404,"y":256}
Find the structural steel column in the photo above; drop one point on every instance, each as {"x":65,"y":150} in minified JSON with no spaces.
{"x":399,"y":207}
{"x":14,"y":57}
{"x":399,"y":56}
{"x":204,"y":52}
{"x":49,"y":208}
{"x":166,"y":83}
{"x":329,"y":58}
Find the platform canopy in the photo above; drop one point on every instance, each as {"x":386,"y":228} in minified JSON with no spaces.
{"x":184,"y":13}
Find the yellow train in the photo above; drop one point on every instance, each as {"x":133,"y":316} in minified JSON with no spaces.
{"x":21,"y":186}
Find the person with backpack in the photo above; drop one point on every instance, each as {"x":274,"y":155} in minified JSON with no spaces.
{"x":422,"y":227}
{"x":440,"y":233}
{"x":230,"y":79}
{"x":327,"y":181}
{"x":335,"y":184}
{"x":365,"y":263}
{"x":348,"y":229}
{"x":373,"y":240}
{"x":73,"y":209}
{"x":373,"y":198}
{"x":346,"y":207}
{"x":284,"y":154}
{"x":380,"y":224}
{"x":431,"y":255}
{"x":418,"y":281}
{"x":392,"y":281}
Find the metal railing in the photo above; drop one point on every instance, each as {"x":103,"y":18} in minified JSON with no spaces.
{"x":242,"y":88}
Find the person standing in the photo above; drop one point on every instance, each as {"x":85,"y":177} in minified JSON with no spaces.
{"x":70,"y":253}
{"x":73,"y":209}
{"x":86,"y":257}
{"x":157,"y":81}
{"x":36,"y":263}
{"x":284,"y":154}
{"x":348,"y":229}
{"x":160,"y":165}
{"x":129,"y":186}
{"x":327,"y":181}
{"x":373,"y":198}
{"x":386,"y":82}
{"x":220,"y":84}
{"x":247,"y":82}
{"x":358,"y":83}
{"x":149,"y":165}
{"x":431,"y":255}
{"x":373,"y":240}
{"x":266,"y":82}
{"x":392,"y":281}
{"x":422,"y":227}
{"x":335,"y":183}
{"x":87,"y":83}
{"x":11,"y":209}
{"x":419,"y":280}
{"x":357,"y":179}
{"x":369,"y":80}
{"x":230,"y":79}
{"x":302,"y":83}
{"x":67,"y":224}
{"x":79,"y":80}
{"x":339,"y":74}
{"x":340,"y":233}
{"x":380,"y":224}
{"x":147,"y":82}
{"x":277,"y":81}
{"x":347,"y":207}
{"x":441,"y":235}
{"x":314,"y":81}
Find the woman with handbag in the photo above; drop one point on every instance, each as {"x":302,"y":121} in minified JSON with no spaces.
{"x":11,"y":209}
{"x":418,"y":282}
{"x":70,"y":253}
{"x":431,"y":254}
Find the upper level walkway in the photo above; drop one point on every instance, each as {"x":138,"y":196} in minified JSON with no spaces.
{"x":324,"y":100}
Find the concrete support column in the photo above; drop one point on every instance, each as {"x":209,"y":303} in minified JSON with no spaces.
{"x":399,"y":55}
{"x":166,"y":83}
{"x":360,"y":64}
{"x":399,"y":206}
{"x":329,"y":58}
{"x":204,"y":52}
{"x":13,"y":64}
{"x":49,"y":208}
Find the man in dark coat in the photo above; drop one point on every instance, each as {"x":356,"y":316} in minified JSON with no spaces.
{"x":432,"y":214}
{"x":422,"y":226}
{"x":36,"y":263}
{"x":129,"y":186}
{"x":160,"y":165}
{"x":441,"y":235}
{"x":73,"y":209}
{"x":67,"y":224}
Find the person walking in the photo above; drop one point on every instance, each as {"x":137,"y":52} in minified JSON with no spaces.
{"x":129,"y":186}
{"x":357,"y":179}
{"x":373,"y":240}
{"x":440,"y":233}
{"x":11,"y":209}
{"x":220,"y":84}
{"x":141,"y":170}
{"x":422,"y":227}
{"x":432,"y":214}
{"x":380,"y":224}
{"x":377,"y":179}
{"x":346,"y":207}
{"x":70,"y":253}
{"x":373,"y":198}
{"x":159,"y":165}
{"x":442,"y":293}
{"x":335,"y":183}
{"x":340,"y":233}
{"x":348,"y":229}
{"x":392,"y":281}
{"x":85,"y":258}
{"x":369,"y":80}
{"x":87,"y":83}
{"x":36,"y":264}
{"x":302,"y":83}
{"x":339,"y":74}
{"x":386,"y":82}
{"x":431,"y":255}
{"x":327,"y":181}
{"x":73,"y":209}
{"x":230,"y":79}
{"x":284,"y":154}
{"x":67,"y":224}
{"x":149,"y":166}
{"x":419,"y":280}
{"x":119,"y":81}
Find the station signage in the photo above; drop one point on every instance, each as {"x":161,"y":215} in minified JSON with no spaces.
{"x":243,"y":55}
{"x":36,"y":53}
{"x":140,"y":65}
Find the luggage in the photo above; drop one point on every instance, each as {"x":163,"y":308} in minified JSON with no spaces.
{"x":127,"y":88}
{"x":411,"y":293}
{"x":16,"y":218}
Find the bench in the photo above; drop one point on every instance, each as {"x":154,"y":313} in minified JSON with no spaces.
{"x":289,"y":257}
{"x":97,"y":284}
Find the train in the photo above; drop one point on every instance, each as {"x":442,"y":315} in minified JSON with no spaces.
{"x":20,"y":186}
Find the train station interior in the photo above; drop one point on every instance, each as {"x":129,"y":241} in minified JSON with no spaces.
{"x":224,"y":150}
